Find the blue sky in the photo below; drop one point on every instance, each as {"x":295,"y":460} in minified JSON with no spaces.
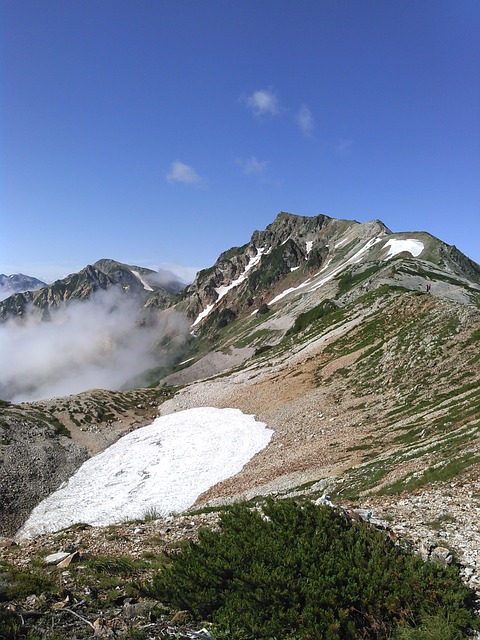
{"x":163,"y":133}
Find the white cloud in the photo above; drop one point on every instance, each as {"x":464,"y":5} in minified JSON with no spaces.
{"x":98,"y":343}
{"x":252,"y":166}
{"x":263,"y":102}
{"x":185,"y":272}
{"x":181,"y":172}
{"x":305,"y":120}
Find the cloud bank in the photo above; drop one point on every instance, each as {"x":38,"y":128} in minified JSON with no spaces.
{"x":99,"y":343}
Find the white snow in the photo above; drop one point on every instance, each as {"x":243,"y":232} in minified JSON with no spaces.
{"x":319,"y":283}
{"x":146,"y":286}
{"x":355,"y":258}
{"x":415,"y":247}
{"x":308,"y":246}
{"x":342,"y":242}
{"x":222,"y":291}
{"x":164,"y":466}
{"x":288,"y":291}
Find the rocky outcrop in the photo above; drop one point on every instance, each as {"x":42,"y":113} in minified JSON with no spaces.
{"x":293,"y":249}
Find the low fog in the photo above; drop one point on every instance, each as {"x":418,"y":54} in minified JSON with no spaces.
{"x":100,"y":343}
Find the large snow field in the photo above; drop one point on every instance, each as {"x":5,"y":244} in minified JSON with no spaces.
{"x":164,"y":466}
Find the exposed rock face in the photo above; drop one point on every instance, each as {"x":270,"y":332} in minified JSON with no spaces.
{"x":283,"y":246}
{"x":79,"y":286}
{"x":35,"y":459}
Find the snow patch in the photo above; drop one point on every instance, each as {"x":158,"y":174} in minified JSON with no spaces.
{"x":355,"y":258}
{"x":340,"y":243}
{"x":146,"y":286}
{"x":288,"y":291}
{"x":415,"y":247}
{"x":164,"y":466}
{"x":319,"y":283}
{"x":222,"y":291}
{"x":308,"y":246}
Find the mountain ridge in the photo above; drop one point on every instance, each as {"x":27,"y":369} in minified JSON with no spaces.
{"x":101,"y":276}
{"x":291,"y":243}
{"x":295,"y":249}
{"x":18,"y":283}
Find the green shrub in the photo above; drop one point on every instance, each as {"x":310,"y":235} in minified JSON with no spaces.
{"x":302,"y":571}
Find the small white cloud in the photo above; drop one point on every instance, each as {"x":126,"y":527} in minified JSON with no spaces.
{"x":252,"y":166}
{"x":184,"y":173}
{"x":305,"y":120}
{"x":263,"y":102}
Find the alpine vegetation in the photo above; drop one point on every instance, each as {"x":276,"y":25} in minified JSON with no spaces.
{"x":296,"y":571}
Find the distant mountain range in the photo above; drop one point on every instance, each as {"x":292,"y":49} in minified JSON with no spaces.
{"x":151,"y":288}
{"x":17,"y":283}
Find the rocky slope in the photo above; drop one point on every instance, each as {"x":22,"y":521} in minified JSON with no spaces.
{"x":36,"y":455}
{"x":301,"y":254}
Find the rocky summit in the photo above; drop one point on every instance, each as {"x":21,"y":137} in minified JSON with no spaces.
{"x":358,"y":347}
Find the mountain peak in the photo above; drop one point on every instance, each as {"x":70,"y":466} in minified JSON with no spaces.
{"x":297,"y":255}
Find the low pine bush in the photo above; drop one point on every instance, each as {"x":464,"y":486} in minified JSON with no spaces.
{"x":299,"y":571}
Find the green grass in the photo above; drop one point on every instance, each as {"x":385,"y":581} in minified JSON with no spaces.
{"x":441,"y":473}
{"x":304,"y":320}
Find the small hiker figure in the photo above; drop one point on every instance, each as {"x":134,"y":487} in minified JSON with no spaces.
{"x":428,"y":288}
